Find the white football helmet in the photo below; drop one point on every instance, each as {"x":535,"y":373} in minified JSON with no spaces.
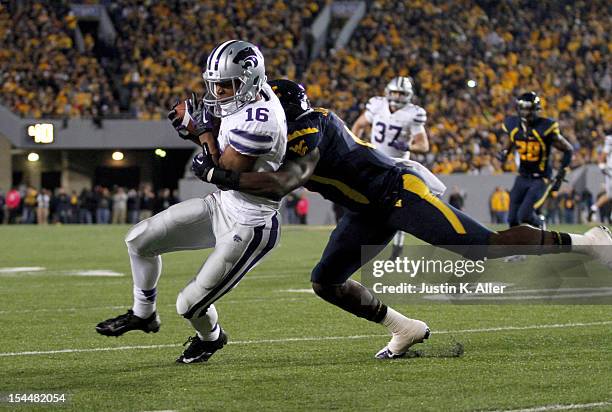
{"x":399,"y":92}
{"x":240,"y":63}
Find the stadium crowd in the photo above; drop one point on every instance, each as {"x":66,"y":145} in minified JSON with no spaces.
{"x":119,"y":205}
{"x":100,"y":205}
{"x":559,"y":48}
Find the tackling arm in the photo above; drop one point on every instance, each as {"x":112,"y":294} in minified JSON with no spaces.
{"x":274,"y":185}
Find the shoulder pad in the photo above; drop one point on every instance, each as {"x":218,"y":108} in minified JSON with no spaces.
{"x":375,"y":104}
{"x":304,"y":135}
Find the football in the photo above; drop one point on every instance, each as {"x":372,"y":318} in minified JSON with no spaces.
{"x":183,"y":114}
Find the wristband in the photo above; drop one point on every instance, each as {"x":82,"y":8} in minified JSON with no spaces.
{"x":222,"y":177}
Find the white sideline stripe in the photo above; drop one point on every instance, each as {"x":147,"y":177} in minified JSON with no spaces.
{"x":560,"y":407}
{"x":126,"y":306}
{"x":12,"y":272}
{"x":98,"y":272}
{"x":308,"y":339}
{"x":298,"y":290}
{"x":22,"y":269}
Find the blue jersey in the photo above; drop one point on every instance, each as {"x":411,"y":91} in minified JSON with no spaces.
{"x":533,"y":144}
{"x":350,"y":172}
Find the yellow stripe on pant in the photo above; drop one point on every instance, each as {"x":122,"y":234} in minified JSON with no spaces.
{"x":415,"y":185}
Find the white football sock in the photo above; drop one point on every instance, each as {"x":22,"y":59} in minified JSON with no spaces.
{"x":394,"y":320}
{"x":405,"y":331}
{"x":398,"y":239}
{"x":145,"y":274}
{"x":206,"y":324}
{"x":580,"y":243}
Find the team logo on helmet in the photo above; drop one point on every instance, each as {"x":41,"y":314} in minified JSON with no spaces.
{"x":246,"y":58}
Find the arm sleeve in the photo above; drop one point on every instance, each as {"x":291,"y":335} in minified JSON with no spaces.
{"x":250,"y":143}
{"x":418,"y":122}
{"x":371,"y":109}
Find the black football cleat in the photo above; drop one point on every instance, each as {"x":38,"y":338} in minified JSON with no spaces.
{"x":200,"y":350}
{"x":127,"y":322}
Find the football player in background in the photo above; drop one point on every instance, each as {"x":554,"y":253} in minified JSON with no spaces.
{"x":533,"y":137}
{"x":242,"y":228}
{"x":605,"y":165}
{"x":382,"y":196}
{"x":397,"y":128}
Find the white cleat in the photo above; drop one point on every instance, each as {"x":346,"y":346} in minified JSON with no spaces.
{"x":601,"y":244}
{"x":415,"y":331}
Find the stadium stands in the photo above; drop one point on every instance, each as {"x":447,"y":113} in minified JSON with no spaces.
{"x":505,"y":47}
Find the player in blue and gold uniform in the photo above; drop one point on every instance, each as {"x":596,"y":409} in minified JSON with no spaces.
{"x":382,"y":197}
{"x":533,"y":137}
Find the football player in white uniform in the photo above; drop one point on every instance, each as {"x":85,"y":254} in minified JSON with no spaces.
{"x":605,"y":165}
{"x":397,"y":128}
{"x":241,"y":228}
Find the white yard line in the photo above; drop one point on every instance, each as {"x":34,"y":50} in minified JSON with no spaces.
{"x":561,"y":407}
{"x":310,"y":338}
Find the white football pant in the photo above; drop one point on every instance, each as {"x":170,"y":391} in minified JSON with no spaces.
{"x":189,"y":225}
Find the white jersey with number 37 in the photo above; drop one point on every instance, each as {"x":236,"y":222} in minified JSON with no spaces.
{"x":259,"y":129}
{"x":388,"y":128}
{"x":608,"y":150}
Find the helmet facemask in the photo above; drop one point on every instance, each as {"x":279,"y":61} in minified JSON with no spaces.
{"x":528,"y":106}
{"x":527,"y":111}
{"x":398,"y":99}
{"x":399,"y":92}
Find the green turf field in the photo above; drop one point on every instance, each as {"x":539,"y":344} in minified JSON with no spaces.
{"x":288,"y":350}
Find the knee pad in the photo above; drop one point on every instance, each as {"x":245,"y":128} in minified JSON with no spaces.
{"x":189,"y":297}
{"x":182,"y":305}
{"x":140,"y":238}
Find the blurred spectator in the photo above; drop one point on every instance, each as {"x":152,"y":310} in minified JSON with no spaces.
{"x":87,"y":205}
{"x":43,"y":201}
{"x":456,"y":198}
{"x":586,"y":201}
{"x":174,"y":199}
{"x":500,"y":205}
{"x":605,"y":211}
{"x":552,"y":208}
{"x":74,"y":207}
{"x":120,"y":199}
{"x":163,"y":201}
{"x":291,"y":204}
{"x":567,"y":200}
{"x":2,"y":207}
{"x":103,"y":204}
{"x":147,"y":198}
{"x":13,"y":200}
{"x":62,"y":206}
{"x":133,"y":206}
{"x":28,"y":214}
{"x":301,"y":209}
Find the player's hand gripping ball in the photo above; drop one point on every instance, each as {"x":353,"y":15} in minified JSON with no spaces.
{"x":190,"y":118}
